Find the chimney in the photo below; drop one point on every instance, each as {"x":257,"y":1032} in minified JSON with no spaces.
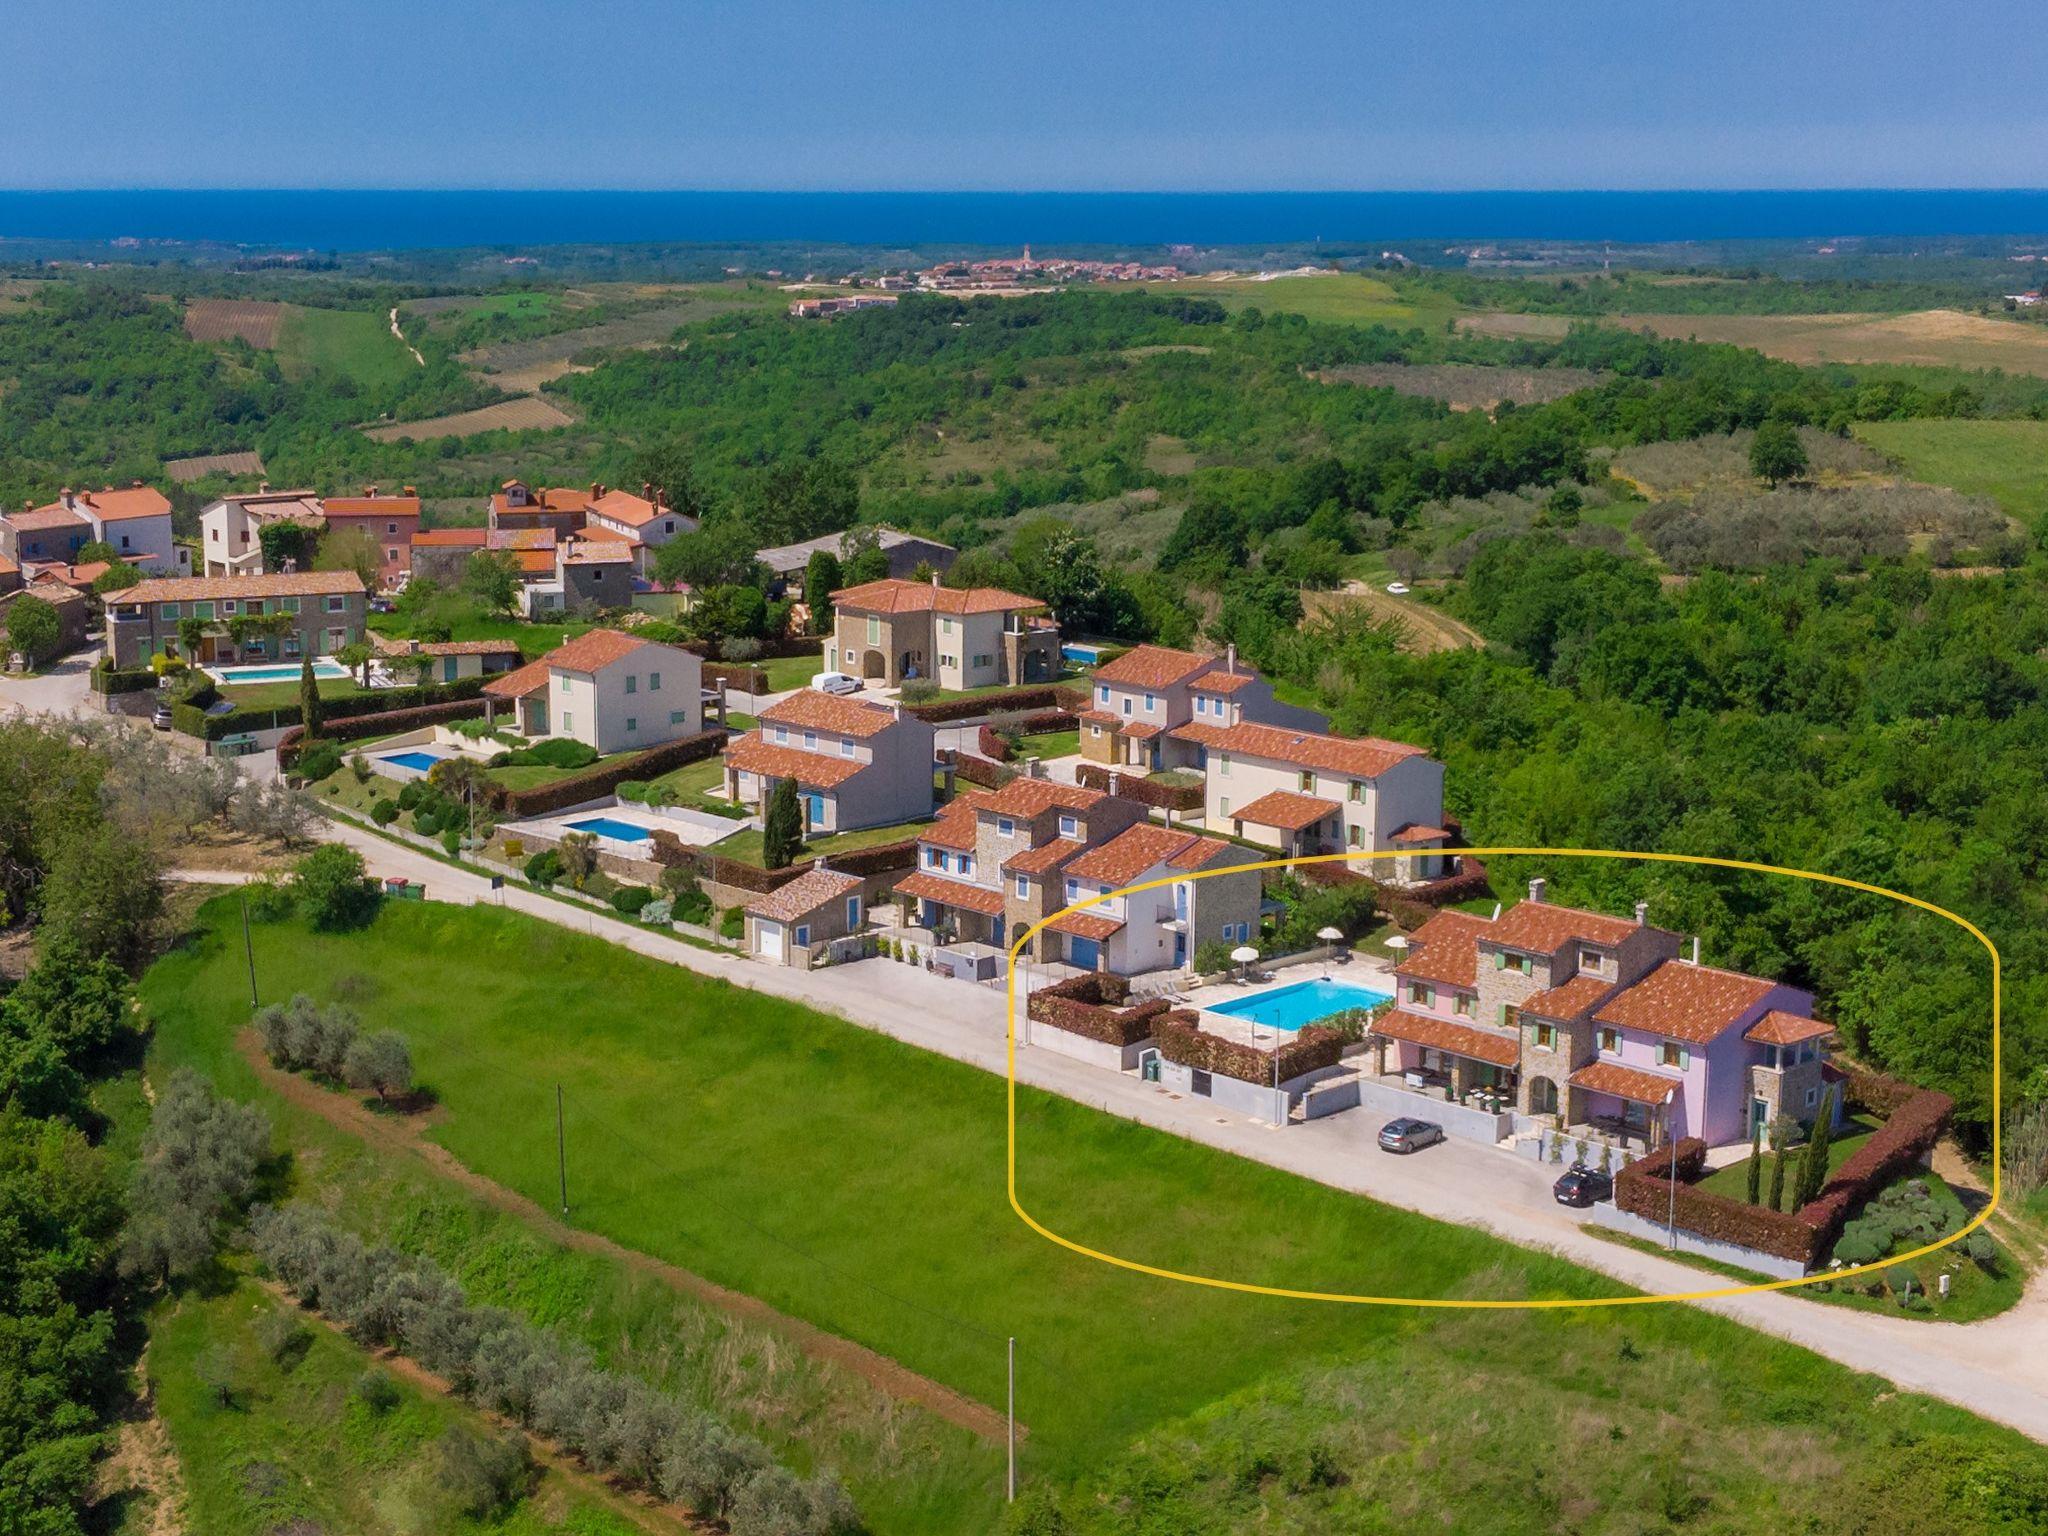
{"x":647,"y":490}
{"x":67,"y":496}
{"x":1537,"y":888}
{"x":596,"y":489}
{"x":369,"y":490}
{"x":1230,"y":658}
{"x":410,"y":491}
{"x":1695,"y":949}
{"x":263,"y":487}
{"x":137,"y":484}
{"x":935,"y":580}
{"x":1642,"y":914}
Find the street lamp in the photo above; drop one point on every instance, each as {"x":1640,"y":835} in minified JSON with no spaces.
{"x":1673,"y":1181}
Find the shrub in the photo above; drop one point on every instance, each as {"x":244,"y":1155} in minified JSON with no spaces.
{"x":359,"y":766}
{"x":483,"y":1474}
{"x":918,"y":690}
{"x":634,"y":790}
{"x":384,"y":812}
{"x":515,"y":848}
{"x":732,"y":923}
{"x":1982,"y":1252}
{"x":320,"y":762}
{"x":381,"y":1062}
{"x":284,"y":1339}
{"x":270,"y":901}
{"x":451,"y":841}
{"x":332,"y":889}
{"x":544,"y":868}
{"x":555,"y":752}
{"x":376,"y":1391}
{"x":1212,"y":957}
{"x":629,"y":899}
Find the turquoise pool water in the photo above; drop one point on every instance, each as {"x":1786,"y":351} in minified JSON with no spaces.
{"x":284,"y":673}
{"x":1302,"y":1003}
{"x":606,"y":826}
{"x":421,"y":761}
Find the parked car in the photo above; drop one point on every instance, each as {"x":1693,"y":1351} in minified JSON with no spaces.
{"x":160,"y":717}
{"x":1398,"y":588}
{"x":836,"y":682}
{"x":1583,"y":1186}
{"x":1406,"y":1135}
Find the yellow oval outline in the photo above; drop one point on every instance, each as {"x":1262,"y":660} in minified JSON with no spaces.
{"x":1215,"y":1282}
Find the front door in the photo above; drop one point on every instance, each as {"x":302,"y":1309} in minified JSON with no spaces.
{"x":995,"y":932}
{"x":1180,"y":949}
{"x":1759,"y":1117}
{"x":814,"y":810}
{"x":1084,"y":953}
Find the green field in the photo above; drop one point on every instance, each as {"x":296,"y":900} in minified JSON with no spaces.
{"x":2005,"y":460}
{"x":534,"y":640}
{"x":1347,"y":298}
{"x":355,"y":343}
{"x":858,"y":1183}
{"x":785,"y":672}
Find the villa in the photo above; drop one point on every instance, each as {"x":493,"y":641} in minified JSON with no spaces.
{"x":1146,"y":694}
{"x":1594,"y":1021}
{"x":1305,"y":792}
{"x":643,"y":522}
{"x":855,"y":763}
{"x":277,"y":618}
{"x":611,"y":691}
{"x":388,"y":522}
{"x":1154,"y":929}
{"x":974,"y":637}
{"x":558,"y":510}
{"x":588,"y":573}
{"x":993,"y":863}
{"x":135,"y":521}
{"x":231,"y":528}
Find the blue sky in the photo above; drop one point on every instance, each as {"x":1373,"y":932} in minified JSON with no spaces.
{"x":806,"y":94}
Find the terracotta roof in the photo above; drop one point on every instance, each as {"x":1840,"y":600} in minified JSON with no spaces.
{"x":809,"y":891}
{"x":1415,"y":833}
{"x":816,"y":769}
{"x":1223,"y":682}
{"x":593,"y":650}
{"x":1630,"y":1083}
{"x":1130,"y":853}
{"x":1152,"y":666}
{"x":1361,"y":757}
{"x":533,"y":562}
{"x":520,"y":681}
{"x":547,"y":499}
{"x":1570,"y":999}
{"x":624,"y":507}
{"x":1045,"y":858}
{"x":1466,"y":1040}
{"x":520,"y":538}
{"x":1543,"y":928}
{"x":594,"y":552}
{"x":984,"y":899}
{"x":1285,"y":809}
{"x":1781,"y":1028}
{"x":36,"y":519}
{"x":1027,"y":797}
{"x":391,"y":647}
{"x":71,"y":575}
{"x":451,"y":538}
{"x":1444,"y":949}
{"x":1142,"y":730}
{"x":895,"y":595}
{"x":371,"y":506}
{"x":1199,"y":851}
{"x":1687,"y":1002}
{"x":1086,"y":925}
{"x":1099,"y":717}
{"x":831,"y":712}
{"x":120,"y":504}
{"x":201,"y":589}
{"x":956,"y":825}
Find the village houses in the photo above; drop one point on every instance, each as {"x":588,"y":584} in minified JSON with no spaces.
{"x":855,"y":763}
{"x":611,"y":691}
{"x":890,"y":631}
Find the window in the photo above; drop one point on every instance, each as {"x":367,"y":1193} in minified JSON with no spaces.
{"x":874,"y":632}
{"x":1357,"y":792}
{"x":124,"y":542}
{"x":1510,"y":1016}
{"x":1671,"y":1054}
{"x":632,"y":683}
{"x":1589,"y":960}
{"x":288,"y":605}
{"x":1504,"y":960}
{"x":1418,"y":993}
{"x":947,"y":626}
{"x":568,"y":723}
{"x":1308,"y":783}
{"x":1070,"y":826}
{"x":1546,"y":1037}
{"x":1355,"y":835}
{"x":391,"y":527}
{"x":1005,"y":827}
{"x":167,"y":610}
{"x":1073,"y":892}
{"x":1023,"y":886}
{"x":966,"y":863}
{"x":1095,"y":730}
{"x":669,"y":526}
{"x":1127,"y":708}
{"x":227,"y":606}
{"x":782,"y":734}
{"x":253,"y":608}
{"x":632,"y":724}
{"x":1610,"y":1042}
{"x":810,"y":741}
{"x":1812,"y":1097}
{"x":654,"y":682}
{"x":1201,"y":705}
{"x":1102,"y":693}
{"x":846,"y":746}
{"x":677,"y":717}
{"x":934,"y":859}
{"x":849,"y":657}
{"x":983,"y":661}
{"x":337,"y":604}
{"x":336,"y":639}
{"x":853,"y":912}
{"x":1223,"y":806}
{"x":1151,"y":703}
{"x":1223,"y":766}
{"x":568,"y":683}
{"x":202,"y":610}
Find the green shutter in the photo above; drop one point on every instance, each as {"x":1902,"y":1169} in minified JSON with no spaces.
{"x":1500,"y":959}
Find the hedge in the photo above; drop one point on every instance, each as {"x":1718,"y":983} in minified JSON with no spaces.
{"x":389,"y":724}
{"x":742,"y":677}
{"x":881,"y":859}
{"x":1009,"y":701}
{"x":992,"y":746}
{"x":978,"y":771}
{"x":1893,"y":1148}
{"x":1643,"y":1188}
{"x":110,"y":680}
{"x":1182,"y":1040}
{"x":380,"y":701}
{"x":607,"y":776}
{"x":1125,"y":785}
{"x":1091,"y":1006}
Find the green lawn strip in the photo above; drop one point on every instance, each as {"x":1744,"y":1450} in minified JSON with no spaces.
{"x":534,"y":640}
{"x":698,"y":785}
{"x":857,"y":1182}
{"x":296,"y":1450}
{"x":1733,"y":1180}
{"x":285,"y":695}
{"x":1070,"y":677}
{"x":355,"y":343}
{"x":786,"y":672}
{"x":1050,"y":744}
{"x":2005,"y":460}
{"x":746,"y":846}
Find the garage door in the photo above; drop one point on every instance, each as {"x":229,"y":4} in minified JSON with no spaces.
{"x":1085,"y":953}
{"x":768,"y":940}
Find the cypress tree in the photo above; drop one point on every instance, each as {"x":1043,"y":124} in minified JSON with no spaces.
{"x":782,"y":834}
{"x":1778,"y":1165}
{"x":1813,"y":1172}
{"x":309,"y":699}
{"x":1756,"y":1163}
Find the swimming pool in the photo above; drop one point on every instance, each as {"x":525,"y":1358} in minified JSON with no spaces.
{"x":1082,"y":655}
{"x":1303,"y":1003}
{"x":421,"y":762}
{"x":284,"y":672}
{"x":609,"y":826}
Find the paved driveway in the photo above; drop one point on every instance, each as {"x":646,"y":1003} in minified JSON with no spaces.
{"x":64,"y":688}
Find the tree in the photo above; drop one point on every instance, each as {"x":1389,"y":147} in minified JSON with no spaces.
{"x":1813,"y":1166}
{"x":332,"y":890}
{"x":1756,"y":1163}
{"x":822,"y":577}
{"x":118,"y":577}
{"x":381,"y":1062}
{"x":104,"y":894}
{"x":79,"y":999}
{"x":199,"y":1162}
{"x":33,"y":628}
{"x":1781,"y":1136}
{"x":309,"y":698}
{"x":721,"y":553}
{"x":666,"y":465}
{"x":491,"y":579}
{"x":286,"y":546}
{"x":351,"y":549}
{"x":357,"y":656}
{"x":1776,"y":454}
{"x":861,"y":556}
{"x":782,"y":831}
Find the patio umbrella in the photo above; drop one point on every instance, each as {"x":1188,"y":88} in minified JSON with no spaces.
{"x":1244,"y":954}
{"x":1398,"y":941}
{"x":1330,"y":935}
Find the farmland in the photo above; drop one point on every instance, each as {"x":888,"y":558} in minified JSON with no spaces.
{"x":1465,"y":386}
{"x":354,"y":343}
{"x":202,"y":465}
{"x":247,"y":320}
{"x":1940,"y":338}
{"x":1338,"y":298}
{"x":529,"y":413}
{"x":704,"y":1120}
{"x":2005,"y":460}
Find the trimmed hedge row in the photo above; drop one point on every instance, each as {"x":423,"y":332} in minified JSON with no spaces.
{"x":110,"y":680}
{"x":358,"y":727}
{"x":1090,"y":1005}
{"x":1882,"y":1096}
{"x":346,"y":706}
{"x":992,"y":746}
{"x":1643,"y":1188}
{"x":740,"y":676}
{"x":607,"y":776}
{"x":978,"y":771}
{"x":1906,"y":1137}
{"x":1125,"y":785}
{"x":1048,"y":696}
{"x":1182,"y":1040}
{"x":881,"y":859}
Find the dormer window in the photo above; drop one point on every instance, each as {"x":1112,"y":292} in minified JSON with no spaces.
{"x":846,"y":746}
{"x":1070,"y":826}
{"x":1005,"y":827}
{"x":933,"y":859}
{"x":1592,"y":960}
{"x":782,"y":733}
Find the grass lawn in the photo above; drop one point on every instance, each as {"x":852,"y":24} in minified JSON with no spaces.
{"x":746,"y":846}
{"x":2005,"y":460}
{"x":1348,"y":298}
{"x":695,"y":785}
{"x":857,"y":1182}
{"x":355,"y":343}
{"x":534,"y":640}
{"x":532,"y":775}
{"x":1070,"y":677}
{"x":786,"y":672}
{"x":1733,"y":1181}
{"x":286,"y":695}
{"x":295,"y":1450}
{"x":1050,"y":744}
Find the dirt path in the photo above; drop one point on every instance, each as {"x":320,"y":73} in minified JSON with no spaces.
{"x":415,"y":351}
{"x":879,"y":1371}
{"x":1427,"y":628}
{"x":143,"y":1466}
{"x":643,"y":1510}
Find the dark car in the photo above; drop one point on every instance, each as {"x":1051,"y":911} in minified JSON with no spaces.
{"x":160,"y":717}
{"x":1581,"y":1185}
{"x":1405,"y":1135}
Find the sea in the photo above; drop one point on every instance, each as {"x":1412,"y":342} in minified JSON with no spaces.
{"x":342,"y":220}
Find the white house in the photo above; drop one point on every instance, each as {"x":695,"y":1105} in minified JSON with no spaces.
{"x":610,"y":691}
{"x":643,"y":521}
{"x":1151,"y":930}
{"x":230,"y":529}
{"x":855,"y":763}
{"x":134,"y":520}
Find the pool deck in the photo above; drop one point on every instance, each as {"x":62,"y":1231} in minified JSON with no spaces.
{"x":696,"y":829}
{"x":1356,"y":971}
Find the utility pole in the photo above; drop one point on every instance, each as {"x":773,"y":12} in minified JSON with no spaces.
{"x":561,"y":1152}
{"x":1673,"y":1180}
{"x":249,"y":950}
{"x":1012,"y":1495}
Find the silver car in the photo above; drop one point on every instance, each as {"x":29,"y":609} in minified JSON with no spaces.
{"x":1405,"y":1135}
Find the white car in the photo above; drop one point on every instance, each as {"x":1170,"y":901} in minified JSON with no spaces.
{"x":836,"y":682}
{"x":1398,"y":588}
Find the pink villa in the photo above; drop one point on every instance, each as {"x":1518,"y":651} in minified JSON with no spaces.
{"x":1545,"y":1015}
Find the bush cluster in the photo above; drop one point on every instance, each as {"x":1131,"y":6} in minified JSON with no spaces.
{"x":301,"y":1036}
{"x":1904,"y":1215}
{"x":620,"y":1427}
{"x":198,"y":1165}
{"x":318,"y":762}
{"x":554,"y":752}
